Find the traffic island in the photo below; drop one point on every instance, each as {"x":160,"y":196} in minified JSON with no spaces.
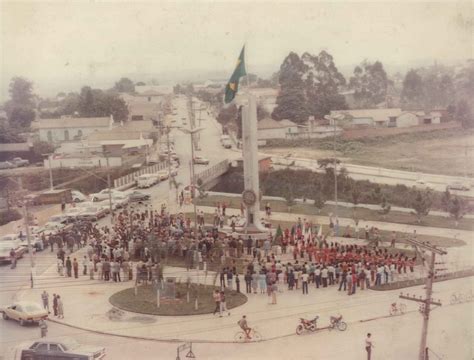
{"x":184,"y":302}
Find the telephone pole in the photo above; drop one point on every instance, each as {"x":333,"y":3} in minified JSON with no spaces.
{"x":26,"y":222}
{"x":427,"y":301}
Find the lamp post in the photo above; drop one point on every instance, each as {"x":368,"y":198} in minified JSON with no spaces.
{"x":334,"y":120}
{"x":192,"y":173}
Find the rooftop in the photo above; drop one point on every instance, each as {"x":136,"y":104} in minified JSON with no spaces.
{"x":274,"y":124}
{"x":71,"y":122}
{"x":376,"y":114}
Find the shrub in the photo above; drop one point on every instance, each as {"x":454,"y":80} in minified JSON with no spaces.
{"x":9,"y":215}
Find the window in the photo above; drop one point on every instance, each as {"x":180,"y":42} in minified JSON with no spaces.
{"x":79,"y":133}
{"x":55,"y":347}
{"x":66,"y":134}
{"x":42,"y":347}
{"x":50,"y":135}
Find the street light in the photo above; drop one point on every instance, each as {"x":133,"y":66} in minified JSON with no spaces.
{"x":191,"y":132}
{"x":334,"y":119}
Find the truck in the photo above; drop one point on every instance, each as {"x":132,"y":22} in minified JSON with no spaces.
{"x":57,"y":196}
{"x":19,"y":162}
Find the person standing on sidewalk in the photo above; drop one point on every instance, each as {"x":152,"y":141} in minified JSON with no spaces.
{"x":85,"y":264}
{"x":75,"y":266}
{"x":248,"y":283}
{"x":45,"y":300}
{"x":60,"y":307}
{"x":223,"y":304}
{"x":43,"y":328}
{"x":55,"y":305}
{"x":369,"y":345}
{"x":68,"y":267}
{"x":304,"y":282}
{"x":217,"y":299}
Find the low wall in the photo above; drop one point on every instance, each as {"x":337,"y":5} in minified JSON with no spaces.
{"x":416,"y":282}
{"x":377,"y":132}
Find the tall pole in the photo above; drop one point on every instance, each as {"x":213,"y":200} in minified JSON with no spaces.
{"x":426,"y":309}
{"x":28,"y":238}
{"x":427,"y":301}
{"x":335,"y":167}
{"x":110,"y":191}
{"x":193,"y":185}
{"x":51,"y":185}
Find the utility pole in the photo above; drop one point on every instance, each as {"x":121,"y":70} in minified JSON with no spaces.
{"x":51,"y":185}
{"x":335,"y":167}
{"x":427,"y":301}
{"x":28,"y":238}
{"x":110,"y":191}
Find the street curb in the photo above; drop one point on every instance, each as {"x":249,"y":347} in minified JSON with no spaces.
{"x":201,"y":341}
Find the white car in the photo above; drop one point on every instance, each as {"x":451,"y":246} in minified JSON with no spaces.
{"x":73,"y":213}
{"x":9,"y":237}
{"x":103,"y":195}
{"x":422,"y":185}
{"x":77,"y":196}
{"x":163,"y":175}
{"x":7,"y":246}
{"x":147,"y":180}
{"x":201,"y":160}
{"x":92,"y":213}
{"x":120,"y":200}
{"x":457,"y":185}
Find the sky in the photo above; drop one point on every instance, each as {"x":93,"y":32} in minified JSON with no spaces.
{"x":64,"y":45}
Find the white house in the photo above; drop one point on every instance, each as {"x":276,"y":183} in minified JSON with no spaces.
{"x":367,"y":117}
{"x":70,"y":129}
{"x":272,"y":129}
{"x":405,"y":120}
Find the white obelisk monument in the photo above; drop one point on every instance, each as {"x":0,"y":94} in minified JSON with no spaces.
{"x":251,"y":194}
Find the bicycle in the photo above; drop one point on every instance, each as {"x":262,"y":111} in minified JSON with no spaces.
{"x":457,"y":298}
{"x":336,"y":322}
{"x":397,"y":309}
{"x":240,"y":336}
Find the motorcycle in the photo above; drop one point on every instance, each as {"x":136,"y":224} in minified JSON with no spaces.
{"x":336,"y":322}
{"x":308,"y":325}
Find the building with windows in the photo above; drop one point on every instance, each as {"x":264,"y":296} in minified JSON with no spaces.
{"x":272,"y":129}
{"x":71,"y":129}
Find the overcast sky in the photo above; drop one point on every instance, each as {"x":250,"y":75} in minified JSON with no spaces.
{"x":78,"y":43}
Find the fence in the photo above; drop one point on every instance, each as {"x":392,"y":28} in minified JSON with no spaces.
{"x":213,"y":172}
{"x":415,"y":282}
{"x":131,"y":178}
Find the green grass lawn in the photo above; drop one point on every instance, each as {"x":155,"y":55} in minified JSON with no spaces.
{"x":145,"y":302}
{"x":345,"y":212}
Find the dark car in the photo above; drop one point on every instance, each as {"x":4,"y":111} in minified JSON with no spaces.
{"x":62,"y":349}
{"x":138,"y":196}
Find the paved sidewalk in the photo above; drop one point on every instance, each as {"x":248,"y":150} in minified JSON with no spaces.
{"x":86,"y":304}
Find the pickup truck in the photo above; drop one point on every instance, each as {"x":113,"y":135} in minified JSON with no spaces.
{"x":19,"y":162}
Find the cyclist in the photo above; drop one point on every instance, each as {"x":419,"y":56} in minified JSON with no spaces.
{"x":244,"y":326}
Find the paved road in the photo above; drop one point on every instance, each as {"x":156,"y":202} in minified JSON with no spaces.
{"x":382,"y":175}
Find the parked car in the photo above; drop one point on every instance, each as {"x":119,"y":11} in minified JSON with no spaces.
{"x":35,"y":239}
{"x":174,"y":171}
{"x":7,"y":246}
{"x":52,"y":227}
{"x":9,"y":237}
{"x":77,"y":196}
{"x":201,"y":160}
{"x":422,"y":185}
{"x":60,"y":349}
{"x":6,"y":165}
{"x":138,"y":196}
{"x":73,"y":213}
{"x":146,"y":180}
{"x":61,"y":218}
{"x":120,"y":200}
{"x":162,"y":175}
{"x":457,"y":185}
{"x":102,"y":195}
{"x":18,"y":162}
{"x":92,"y":213}
{"x":24,"y":312}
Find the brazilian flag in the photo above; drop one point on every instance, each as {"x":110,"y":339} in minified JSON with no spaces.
{"x":233,"y":85}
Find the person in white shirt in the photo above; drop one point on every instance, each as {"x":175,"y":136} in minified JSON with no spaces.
{"x":304,"y":282}
{"x":369,"y":345}
{"x":324,"y":276}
